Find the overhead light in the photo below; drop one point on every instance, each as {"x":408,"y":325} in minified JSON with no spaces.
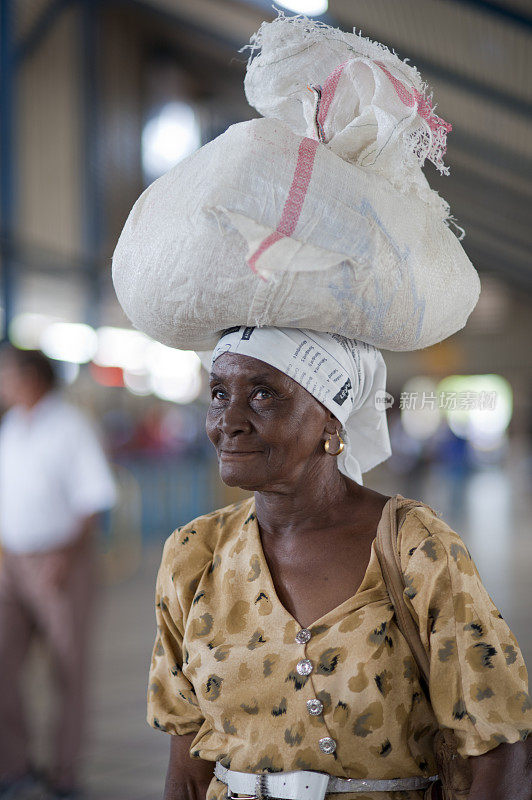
{"x":26,"y":330}
{"x":121,"y":347}
{"x":150,"y":367}
{"x":69,"y":341}
{"x":168,"y":137}
{"x":312,"y":8}
{"x":174,"y":374}
{"x":483,"y":407}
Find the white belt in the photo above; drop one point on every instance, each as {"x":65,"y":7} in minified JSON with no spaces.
{"x":306,"y":785}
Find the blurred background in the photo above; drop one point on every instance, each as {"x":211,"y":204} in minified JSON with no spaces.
{"x":99,"y":98}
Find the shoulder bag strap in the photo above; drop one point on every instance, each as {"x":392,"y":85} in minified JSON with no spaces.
{"x":390,"y":564}
{"x":454,"y":771}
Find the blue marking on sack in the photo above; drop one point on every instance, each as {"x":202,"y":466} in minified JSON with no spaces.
{"x":346,"y":296}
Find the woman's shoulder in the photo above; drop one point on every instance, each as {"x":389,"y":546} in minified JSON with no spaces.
{"x":192,"y":546}
{"x":191,"y":550}
{"x":437,"y":565}
{"x":423,"y":530}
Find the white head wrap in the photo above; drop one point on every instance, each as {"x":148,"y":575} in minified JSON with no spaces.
{"x":347,"y":376}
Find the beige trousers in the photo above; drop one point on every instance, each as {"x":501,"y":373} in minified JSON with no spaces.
{"x":61,"y":617}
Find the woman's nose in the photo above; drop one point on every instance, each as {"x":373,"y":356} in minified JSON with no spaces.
{"x":234,"y":420}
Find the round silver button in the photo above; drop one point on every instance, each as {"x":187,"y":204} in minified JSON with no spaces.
{"x":303,"y":636}
{"x":327,"y":745}
{"x":314,"y":706}
{"x":304,"y":667}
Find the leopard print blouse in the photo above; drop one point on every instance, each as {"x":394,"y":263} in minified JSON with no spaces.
{"x":231,"y":665}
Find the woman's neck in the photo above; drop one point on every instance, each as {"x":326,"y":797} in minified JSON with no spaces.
{"x":313,"y":502}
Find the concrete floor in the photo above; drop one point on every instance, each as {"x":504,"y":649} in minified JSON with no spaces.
{"x":126,"y":760}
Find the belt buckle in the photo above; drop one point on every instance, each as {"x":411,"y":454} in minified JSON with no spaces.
{"x":230,"y":796}
{"x":259,"y":791}
{"x":260,"y":787}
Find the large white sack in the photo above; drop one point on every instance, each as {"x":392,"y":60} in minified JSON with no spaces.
{"x":266,"y":225}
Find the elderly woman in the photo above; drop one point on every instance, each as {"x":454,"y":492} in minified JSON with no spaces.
{"x":278,"y":655}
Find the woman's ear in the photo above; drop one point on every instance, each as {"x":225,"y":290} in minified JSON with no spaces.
{"x":332,"y":425}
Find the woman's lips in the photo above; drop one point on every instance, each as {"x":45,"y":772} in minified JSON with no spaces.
{"x":238,"y":453}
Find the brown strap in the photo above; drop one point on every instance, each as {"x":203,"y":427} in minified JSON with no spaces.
{"x":390,"y":563}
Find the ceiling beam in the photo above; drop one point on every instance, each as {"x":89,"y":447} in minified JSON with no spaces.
{"x":502,"y":11}
{"x":180,"y":21}
{"x":41,"y":28}
{"x":498,"y":155}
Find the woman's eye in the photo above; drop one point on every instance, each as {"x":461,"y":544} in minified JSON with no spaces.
{"x":259,"y":394}
{"x":263,"y":394}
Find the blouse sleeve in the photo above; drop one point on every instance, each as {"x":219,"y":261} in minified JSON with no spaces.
{"x":172,"y":702}
{"x":478,"y":678}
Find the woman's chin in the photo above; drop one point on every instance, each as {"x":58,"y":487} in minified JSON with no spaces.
{"x":240,"y":476}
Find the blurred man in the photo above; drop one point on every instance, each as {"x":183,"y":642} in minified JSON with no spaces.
{"x":54,"y":480}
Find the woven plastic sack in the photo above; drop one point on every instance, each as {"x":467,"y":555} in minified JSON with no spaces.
{"x":317,"y":216}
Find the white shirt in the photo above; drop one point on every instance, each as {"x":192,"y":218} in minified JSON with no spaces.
{"x":53,"y":472}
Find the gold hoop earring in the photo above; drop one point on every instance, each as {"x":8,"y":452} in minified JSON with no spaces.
{"x":341,"y":446}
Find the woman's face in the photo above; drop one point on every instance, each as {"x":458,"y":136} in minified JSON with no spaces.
{"x":268,"y":430}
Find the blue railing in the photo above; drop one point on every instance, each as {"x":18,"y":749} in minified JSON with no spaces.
{"x":171,"y":490}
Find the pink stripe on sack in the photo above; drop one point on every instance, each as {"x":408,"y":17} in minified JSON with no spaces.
{"x":294,"y":202}
{"x":435,"y":123}
{"x":328,"y":91}
{"x":264,"y":245}
{"x":302,"y":175}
